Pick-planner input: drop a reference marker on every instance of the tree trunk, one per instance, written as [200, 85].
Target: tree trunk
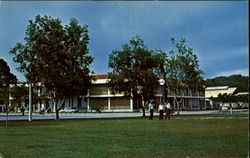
[143, 109]
[178, 107]
[57, 110]
[135, 105]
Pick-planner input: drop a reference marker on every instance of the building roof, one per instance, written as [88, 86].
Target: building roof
[103, 76]
[242, 93]
[215, 91]
[217, 88]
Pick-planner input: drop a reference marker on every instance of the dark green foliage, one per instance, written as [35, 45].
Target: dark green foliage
[180, 69]
[239, 81]
[20, 95]
[229, 98]
[183, 66]
[6, 78]
[134, 70]
[56, 56]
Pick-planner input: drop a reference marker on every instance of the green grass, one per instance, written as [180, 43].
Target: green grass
[184, 136]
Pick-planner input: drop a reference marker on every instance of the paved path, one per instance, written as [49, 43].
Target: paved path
[36, 116]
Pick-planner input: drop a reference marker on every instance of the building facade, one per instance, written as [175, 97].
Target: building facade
[99, 97]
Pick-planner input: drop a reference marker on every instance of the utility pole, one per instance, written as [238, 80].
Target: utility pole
[30, 102]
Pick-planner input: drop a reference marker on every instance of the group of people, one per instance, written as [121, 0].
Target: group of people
[162, 108]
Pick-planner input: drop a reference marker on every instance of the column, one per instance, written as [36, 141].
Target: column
[199, 100]
[131, 103]
[108, 99]
[88, 108]
[30, 102]
[38, 103]
[205, 103]
[108, 103]
[174, 103]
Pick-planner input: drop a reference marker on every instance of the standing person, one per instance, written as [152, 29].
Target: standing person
[231, 108]
[161, 111]
[22, 110]
[168, 111]
[151, 109]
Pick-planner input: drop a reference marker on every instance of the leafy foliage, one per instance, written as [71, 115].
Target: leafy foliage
[180, 69]
[6, 78]
[56, 56]
[134, 70]
[227, 98]
[183, 68]
[239, 81]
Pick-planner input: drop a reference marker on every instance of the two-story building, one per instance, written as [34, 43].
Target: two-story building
[99, 97]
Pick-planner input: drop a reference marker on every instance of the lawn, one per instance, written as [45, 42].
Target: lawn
[184, 136]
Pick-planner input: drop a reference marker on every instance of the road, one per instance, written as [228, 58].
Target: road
[36, 116]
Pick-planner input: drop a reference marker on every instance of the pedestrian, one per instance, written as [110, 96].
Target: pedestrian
[151, 109]
[168, 109]
[22, 110]
[161, 111]
[231, 108]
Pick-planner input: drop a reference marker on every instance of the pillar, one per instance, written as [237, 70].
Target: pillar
[88, 107]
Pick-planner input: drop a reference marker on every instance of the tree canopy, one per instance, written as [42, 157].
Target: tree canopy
[184, 70]
[55, 55]
[6, 78]
[134, 71]
[180, 69]
[237, 80]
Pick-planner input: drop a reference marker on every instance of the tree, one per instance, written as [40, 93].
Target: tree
[6, 78]
[134, 72]
[57, 56]
[20, 94]
[180, 69]
[239, 81]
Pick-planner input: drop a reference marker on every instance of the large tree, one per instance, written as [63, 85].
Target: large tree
[180, 69]
[134, 72]
[57, 56]
[6, 78]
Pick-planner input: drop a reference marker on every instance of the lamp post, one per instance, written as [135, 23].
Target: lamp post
[162, 83]
[139, 91]
[30, 102]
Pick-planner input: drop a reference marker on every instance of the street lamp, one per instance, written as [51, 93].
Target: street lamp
[162, 83]
[30, 102]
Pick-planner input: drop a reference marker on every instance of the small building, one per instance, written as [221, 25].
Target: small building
[213, 92]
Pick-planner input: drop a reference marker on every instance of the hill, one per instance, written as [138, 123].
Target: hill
[232, 81]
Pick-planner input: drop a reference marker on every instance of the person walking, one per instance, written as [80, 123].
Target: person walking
[168, 108]
[161, 111]
[151, 109]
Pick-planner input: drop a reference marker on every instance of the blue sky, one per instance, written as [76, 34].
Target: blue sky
[217, 31]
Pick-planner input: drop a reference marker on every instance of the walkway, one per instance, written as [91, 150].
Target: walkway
[36, 116]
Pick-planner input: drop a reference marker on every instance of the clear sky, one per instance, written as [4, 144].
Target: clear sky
[217, 31]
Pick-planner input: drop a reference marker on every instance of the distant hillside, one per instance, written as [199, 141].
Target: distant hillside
[232, 81]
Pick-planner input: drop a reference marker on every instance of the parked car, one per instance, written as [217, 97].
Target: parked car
[68, 110]
[224, 108]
